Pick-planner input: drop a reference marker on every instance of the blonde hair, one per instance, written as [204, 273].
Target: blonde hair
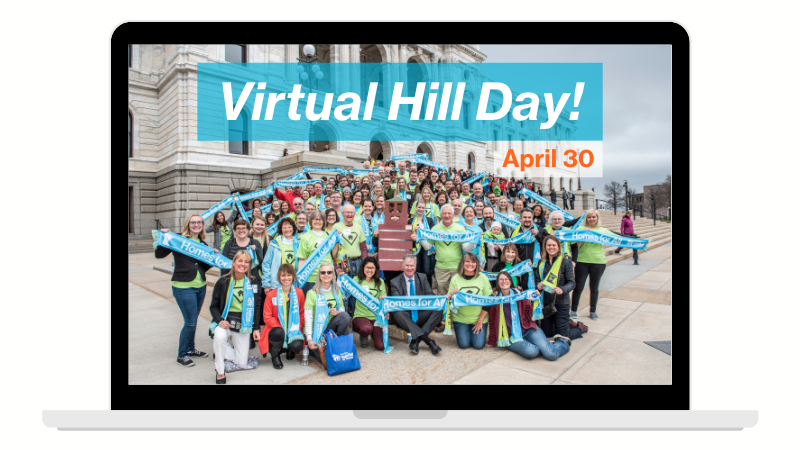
[334, 285]
[238, 255]
[508, 207]
[186, 233]
[592, 211]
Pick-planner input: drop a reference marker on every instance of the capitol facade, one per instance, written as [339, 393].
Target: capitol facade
[172, 174]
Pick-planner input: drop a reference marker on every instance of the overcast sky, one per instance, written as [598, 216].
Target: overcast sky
[637, 105]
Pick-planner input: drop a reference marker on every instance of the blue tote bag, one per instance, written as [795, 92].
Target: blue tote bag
[340, 353]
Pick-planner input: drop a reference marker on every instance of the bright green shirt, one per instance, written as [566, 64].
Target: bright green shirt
[363, 311]
[448, 254]
[428, 208]
[198, 280]
[311, 304]
[593, 253]
[236, 302]
[406, 175]
[496, 190]
[224, 236]
[351, 238]
[308, 244]
[477, 286]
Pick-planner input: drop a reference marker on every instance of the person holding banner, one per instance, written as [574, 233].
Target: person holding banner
[282, 250]
[364, 319]
[425, 262]
[188, 287]
[258, 232]
[424, 202]
[222, 229]
[448, 254]
[419, 323]
[527, 251]
[590, 263]
[534, 342]
[538, 215]
[487, 213]
[283, 320]
[324, 308]
[508, 259]
[289, 196]
[235, 314]
[470, 322]
[554, 279]
[468, 222]
[309, 243]
[271, 218]
[556, 222]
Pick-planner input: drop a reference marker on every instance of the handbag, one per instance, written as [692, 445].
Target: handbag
[235, 319]
[340, 353]
[549, 309]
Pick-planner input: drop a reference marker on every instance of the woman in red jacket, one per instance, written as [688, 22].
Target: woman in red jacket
[283, 335]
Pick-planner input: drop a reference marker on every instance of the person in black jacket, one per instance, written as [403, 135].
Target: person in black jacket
[425, 262]
[558, 323]
[426, 320]
[188, 288]
[234, 285]
[241, 241]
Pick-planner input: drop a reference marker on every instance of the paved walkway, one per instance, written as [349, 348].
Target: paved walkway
[635, 306]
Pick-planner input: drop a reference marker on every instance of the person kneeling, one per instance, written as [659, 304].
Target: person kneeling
[418, 323]
[338, 320]
[240, 301]
[534, 342]
[282, 318]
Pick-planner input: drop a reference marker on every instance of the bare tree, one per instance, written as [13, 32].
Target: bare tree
[665, 190]
[615, 192]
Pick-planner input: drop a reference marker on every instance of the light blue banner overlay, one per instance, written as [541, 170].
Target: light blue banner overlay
[325, 169]
[475, 178]
[218, 207]
[528, 193]
[188, 247]
[580, 221]
[316, 258]
[601, 238]
[515, 271]
[427, 162]
[424, 302]
[398, 101]
[241, 209]
[464, 299]
[412, 156]
[362, 172]
[428, 235]
[262, 193]
[524, 238]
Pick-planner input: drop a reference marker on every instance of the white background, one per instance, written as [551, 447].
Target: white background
[56, 106]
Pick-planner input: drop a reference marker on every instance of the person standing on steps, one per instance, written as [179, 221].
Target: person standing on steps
[626, 229]
[590, 263]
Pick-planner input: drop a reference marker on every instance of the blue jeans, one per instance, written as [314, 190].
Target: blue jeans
[465, 337]
[189, 300]
[534, 343]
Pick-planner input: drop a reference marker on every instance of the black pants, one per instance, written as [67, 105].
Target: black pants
[558, 323]
[635, 252]
[426, 321]
[425, 265]
[592, 271]
[275, 338]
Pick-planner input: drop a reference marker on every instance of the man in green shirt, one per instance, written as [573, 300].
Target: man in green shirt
[353, 240]
[448, 254]
[402, 172]
[465, 193]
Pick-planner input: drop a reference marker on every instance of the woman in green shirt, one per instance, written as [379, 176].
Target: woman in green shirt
[222, 229]
[364, 319]
[188, 288]
[309, 243]
[591, 263]
[470, 322]
[338, 319]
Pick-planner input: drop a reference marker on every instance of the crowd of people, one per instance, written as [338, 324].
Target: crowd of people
[265, 265]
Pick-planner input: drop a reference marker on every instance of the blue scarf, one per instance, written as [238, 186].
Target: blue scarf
[362, 172]
[373, 304]
[421, 302]
[293, 330]
[248, 305]
[218, 207]
[316, 258]
[595, 237]
[368, 233]
[273, 229]
[307, 169]
[321, 312]
[515, 271]
[524, 238]
[505, 220]
[190, 248]
[377, 220]
[242, 212]
[579, 223]
[413, 156]
[464, 299]
[431, 163]
[430, 235]
[527, 192]
[471, 180]
[256, 194]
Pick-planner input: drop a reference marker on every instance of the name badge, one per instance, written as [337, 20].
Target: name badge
[346, 232]
[275, 300]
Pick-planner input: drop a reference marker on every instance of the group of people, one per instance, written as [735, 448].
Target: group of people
[259, 302]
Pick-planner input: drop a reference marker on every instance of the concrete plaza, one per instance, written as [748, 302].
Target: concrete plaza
[635, 306]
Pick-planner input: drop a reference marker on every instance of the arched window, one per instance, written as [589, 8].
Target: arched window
[130, 135]
[570, 184]
[552, 186]
[471, 161]
[237, 135]
[562, 182]
[235, 53]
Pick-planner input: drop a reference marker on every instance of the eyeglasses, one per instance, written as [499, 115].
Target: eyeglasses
[195, 223]
[326, 272]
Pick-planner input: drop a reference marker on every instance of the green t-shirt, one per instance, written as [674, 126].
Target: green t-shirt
[477, 286]
[308, 244]
[311, 304]
[363, 311]
[350, 239]
[287, 255]
[593, 253]
[406, 175]
[430, 211]
[238, 297]
[465, 198]
[496, 190]
[198, 280]
[448, 254]
[224, 236]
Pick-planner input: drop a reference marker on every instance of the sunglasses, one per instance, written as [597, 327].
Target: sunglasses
[326, 272]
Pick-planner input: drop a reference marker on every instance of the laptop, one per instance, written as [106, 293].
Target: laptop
[428, 392]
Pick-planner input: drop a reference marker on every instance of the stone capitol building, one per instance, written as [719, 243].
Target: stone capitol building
[171, 174]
